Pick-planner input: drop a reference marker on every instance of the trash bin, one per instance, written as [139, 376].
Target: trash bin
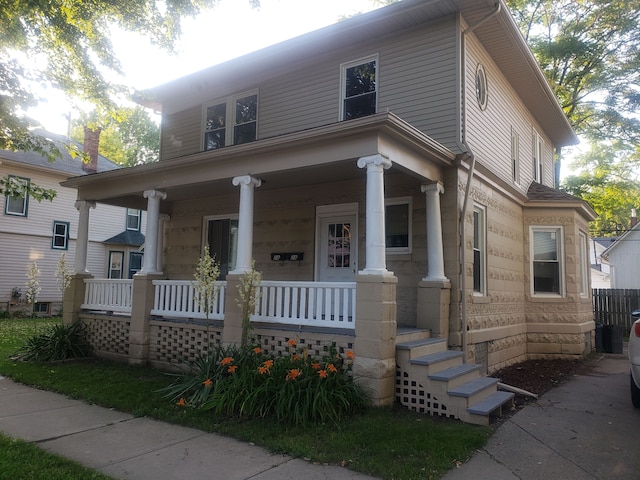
[599, 346]
[612, 336]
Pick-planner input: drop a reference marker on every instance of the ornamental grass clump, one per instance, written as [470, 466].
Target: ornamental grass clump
[58, 342]
[294, 388]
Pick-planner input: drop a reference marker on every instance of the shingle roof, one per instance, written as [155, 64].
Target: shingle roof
[128, 237]
[538, 191]
[65, 164]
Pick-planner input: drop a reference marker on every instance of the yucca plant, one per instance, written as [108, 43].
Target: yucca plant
[58, 342]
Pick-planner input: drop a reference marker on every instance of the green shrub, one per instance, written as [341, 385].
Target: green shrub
[58, 342]
[294, 388]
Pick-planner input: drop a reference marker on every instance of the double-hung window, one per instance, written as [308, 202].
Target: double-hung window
[546, 265]
[231, 121]
[222, 238]
[133, 219]
[359, 88]
[479, 250]
[17, 206]
[397, 224]
[60, 239]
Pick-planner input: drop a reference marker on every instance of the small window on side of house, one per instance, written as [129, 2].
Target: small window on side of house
[397, 221]
[583, 259]
[133, 219]
[547, 260]
[482, 91]
[538, 153]
[17, 206]
[479, 251]
[515, 156]
[359, 88]
[60, 237]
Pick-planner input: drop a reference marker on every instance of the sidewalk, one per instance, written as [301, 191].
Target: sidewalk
[124, 447]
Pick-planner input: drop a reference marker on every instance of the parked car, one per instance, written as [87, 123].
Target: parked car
[634, 358]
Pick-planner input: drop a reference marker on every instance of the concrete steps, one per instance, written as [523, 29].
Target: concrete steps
[434, 380]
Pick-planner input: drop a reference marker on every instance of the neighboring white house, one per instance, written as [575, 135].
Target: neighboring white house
[600, 268]
[623, 257]
[32, 231]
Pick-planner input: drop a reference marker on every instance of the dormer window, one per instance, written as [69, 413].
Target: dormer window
[230, 121]
[359, 87]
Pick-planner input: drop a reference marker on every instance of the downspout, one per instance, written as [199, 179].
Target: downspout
[467, 154]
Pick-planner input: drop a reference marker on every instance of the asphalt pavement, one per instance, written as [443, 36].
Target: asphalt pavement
[584, 429]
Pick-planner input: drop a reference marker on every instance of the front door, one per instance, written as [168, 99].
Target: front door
[337, 259]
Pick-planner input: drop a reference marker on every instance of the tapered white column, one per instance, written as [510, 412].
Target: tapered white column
[376, 262]
[435, 251]
[245, 223]
[164, 218]
[82, 241]
[151, 236]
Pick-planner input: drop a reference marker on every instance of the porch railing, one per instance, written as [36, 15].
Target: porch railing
[178, 298]
[108, 294]
[322, 304]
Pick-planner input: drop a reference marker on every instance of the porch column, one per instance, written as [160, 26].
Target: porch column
[82, 241]
[245, 223]
[164, 218]
[376, 263]
[435, 251]
[151, 237]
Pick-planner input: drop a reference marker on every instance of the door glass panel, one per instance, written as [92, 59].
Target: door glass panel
[339, 245]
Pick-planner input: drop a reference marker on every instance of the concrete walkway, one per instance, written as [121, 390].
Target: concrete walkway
[585, 429]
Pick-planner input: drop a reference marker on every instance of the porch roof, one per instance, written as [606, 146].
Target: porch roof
[313, 156]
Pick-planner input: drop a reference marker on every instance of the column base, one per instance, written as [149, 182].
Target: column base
[434, 298]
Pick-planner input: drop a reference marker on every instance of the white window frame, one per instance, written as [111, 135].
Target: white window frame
[515, 156]
[584, 264]
[408, 201]
[343, 80]
[133, 213]
[205, 236]
[479, 246]
[559, 231]
[538, 157]
[25, 200]
[116, 264]
[230, 116]
[482, 87]
[54, 235]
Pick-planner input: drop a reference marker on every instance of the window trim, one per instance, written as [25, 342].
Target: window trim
[25, 199]
[402, 201]
[560, 243]
[343, 81]
[139, 216]
[230, 117]
[54, 235]
[481, 212]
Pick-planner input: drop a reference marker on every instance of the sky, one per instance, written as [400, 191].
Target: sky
[213, 37]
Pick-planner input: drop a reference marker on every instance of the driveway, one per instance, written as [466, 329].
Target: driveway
[585, 429]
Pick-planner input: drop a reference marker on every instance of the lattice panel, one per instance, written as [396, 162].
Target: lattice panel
[278, 345]
[414, 396]
[109, 334]
[180, 343]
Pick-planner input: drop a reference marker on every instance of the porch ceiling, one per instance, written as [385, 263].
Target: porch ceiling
[316, 156]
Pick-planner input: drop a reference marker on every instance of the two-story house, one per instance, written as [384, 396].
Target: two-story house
[391, 176]
[32, 231]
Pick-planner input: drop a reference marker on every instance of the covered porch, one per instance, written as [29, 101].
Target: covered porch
[337, 173]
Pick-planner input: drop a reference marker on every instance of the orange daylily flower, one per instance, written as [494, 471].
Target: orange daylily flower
[295, 356]
[232, 368]
[292, 342]
[350, 355]
[262, 370]
[257, 350]
[226, 361]
[322, 373]
[316, 365]
[207, 383]
[293, 374]
[332, 368]
[181, 403]
[268, 363]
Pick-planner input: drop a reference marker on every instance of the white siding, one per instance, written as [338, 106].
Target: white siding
[624, 259]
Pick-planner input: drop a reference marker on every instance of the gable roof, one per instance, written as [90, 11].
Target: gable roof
[489, 20]
[625, 237]
[63, 165]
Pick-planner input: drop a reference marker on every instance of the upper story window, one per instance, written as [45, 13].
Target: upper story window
[133, 219]
[538, 152]
[397, 224]
[515, 156]
[359, 88]
[17, 206]
[479, 250]
[60, 239]
[231, 121]
[547, 255]
[482, 92]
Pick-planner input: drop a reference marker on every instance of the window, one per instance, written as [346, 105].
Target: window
[115, 264]
[240, 112]
[479, 250]
[359, 88]
[222, 238]
[60, 240]
[17, 206]
[397, 223]
[538, 152]
[133, 219]
[584, 266]
[135, 263]
[547, 264]
[515, 156]
[482, 93]
[41, 307]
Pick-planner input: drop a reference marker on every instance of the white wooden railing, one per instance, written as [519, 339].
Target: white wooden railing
[321, 304]
[178, 298]
[107, 294]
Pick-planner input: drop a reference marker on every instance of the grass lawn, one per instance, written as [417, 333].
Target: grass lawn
[389, 443]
